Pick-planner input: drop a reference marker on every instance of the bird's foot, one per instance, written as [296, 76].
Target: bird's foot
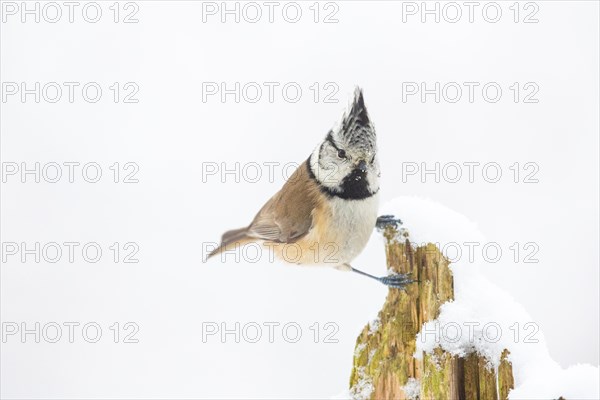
[397, 281]
[387, 220]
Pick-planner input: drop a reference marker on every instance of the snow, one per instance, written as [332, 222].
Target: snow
[363, 388]
[359, 349]
[484, 317]
[374, 326]
[412, 389]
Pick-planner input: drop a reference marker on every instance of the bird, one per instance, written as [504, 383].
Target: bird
[327, 210]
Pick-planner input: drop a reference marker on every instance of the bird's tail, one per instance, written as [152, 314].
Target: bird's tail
[230, 239]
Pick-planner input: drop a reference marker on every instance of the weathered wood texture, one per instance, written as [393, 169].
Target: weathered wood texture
[383, 359]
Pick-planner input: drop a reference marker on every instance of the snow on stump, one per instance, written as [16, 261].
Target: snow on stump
[384, 363]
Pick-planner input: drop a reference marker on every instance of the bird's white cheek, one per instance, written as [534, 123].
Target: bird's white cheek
[329, 176]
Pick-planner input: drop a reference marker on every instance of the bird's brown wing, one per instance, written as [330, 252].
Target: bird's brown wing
[288, 215]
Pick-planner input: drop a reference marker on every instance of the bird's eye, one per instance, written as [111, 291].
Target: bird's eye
[341, 153]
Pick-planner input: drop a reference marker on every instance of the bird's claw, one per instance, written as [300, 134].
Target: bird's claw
[387, 220]
[397, 281]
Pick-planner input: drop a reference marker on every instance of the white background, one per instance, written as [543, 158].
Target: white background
[171, 132]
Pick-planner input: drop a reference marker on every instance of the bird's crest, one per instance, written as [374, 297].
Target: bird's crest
[356, 129]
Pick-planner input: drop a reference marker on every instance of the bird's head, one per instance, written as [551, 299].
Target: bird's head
[345, 164]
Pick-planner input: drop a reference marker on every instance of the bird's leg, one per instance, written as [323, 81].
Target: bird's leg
[396, 281]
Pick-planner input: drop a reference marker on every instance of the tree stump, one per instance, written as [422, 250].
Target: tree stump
[384, 366]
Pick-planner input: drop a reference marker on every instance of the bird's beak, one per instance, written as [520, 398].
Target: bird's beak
[362, 166]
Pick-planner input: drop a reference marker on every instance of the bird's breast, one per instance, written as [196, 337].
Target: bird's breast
[341, 229]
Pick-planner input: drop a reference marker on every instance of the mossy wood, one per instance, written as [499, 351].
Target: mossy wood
[383, 358]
